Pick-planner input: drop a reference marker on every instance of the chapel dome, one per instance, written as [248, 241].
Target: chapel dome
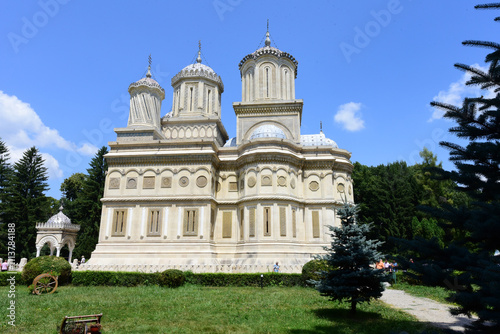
[148, 82]
[268, 131]
[198, 70]
[317, 140]
[59, 220]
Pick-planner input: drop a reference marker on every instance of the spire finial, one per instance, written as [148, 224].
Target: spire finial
[320, 126]
[149, 66]
[198, 60]
[268, 40]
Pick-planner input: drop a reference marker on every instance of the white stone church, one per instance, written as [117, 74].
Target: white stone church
[181, 194]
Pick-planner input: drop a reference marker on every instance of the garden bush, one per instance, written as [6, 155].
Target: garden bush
[58, 266]
[172, 278]
[114, 278]
[255, 280]
[7, 275]
[312, 269]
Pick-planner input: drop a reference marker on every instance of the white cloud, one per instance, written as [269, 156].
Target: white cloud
[349, 117]
[456, 92]
[21, 128]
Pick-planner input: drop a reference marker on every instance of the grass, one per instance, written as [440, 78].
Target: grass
[437, 293]
[196, 309]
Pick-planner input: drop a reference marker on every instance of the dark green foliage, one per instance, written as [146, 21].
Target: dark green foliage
[6, 275]
[114, 278]
[387, 195]
[466, 265]
[172, 278]
[47, 264]
[350, 259]
[26, 203]
[311, 271]
[84, 201]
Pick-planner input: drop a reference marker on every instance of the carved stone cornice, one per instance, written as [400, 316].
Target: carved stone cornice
[267, 107]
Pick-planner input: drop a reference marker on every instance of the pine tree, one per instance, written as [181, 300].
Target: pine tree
[87, 205]
[5, 175]
[26, 202]
[350, 258]
[469, 260]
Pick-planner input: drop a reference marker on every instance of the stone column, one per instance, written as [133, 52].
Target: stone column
[38, 249]
[58, 251]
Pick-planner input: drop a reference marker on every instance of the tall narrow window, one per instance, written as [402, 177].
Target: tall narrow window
[209, 102]
[119, 223]
[283, 221]
[212, 224]
[294, 223]
[154, 222]
[190, 222]
[251, 222]
[191, 99]
[315, 224]
[242, 220]
[267, 222]
[267, 81]
[178, 100]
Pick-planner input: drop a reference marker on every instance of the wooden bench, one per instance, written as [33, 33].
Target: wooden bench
[81, 324]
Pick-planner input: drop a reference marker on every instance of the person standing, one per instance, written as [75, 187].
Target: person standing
[5, 265]
[276, 268]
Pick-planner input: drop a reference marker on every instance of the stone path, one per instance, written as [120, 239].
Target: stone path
[426, 310]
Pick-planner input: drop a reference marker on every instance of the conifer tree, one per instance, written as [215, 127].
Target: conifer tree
[350, 258]
[87, 205]
[467, 265]
[26, 203]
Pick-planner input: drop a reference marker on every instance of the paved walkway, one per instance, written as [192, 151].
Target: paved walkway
[426, 310]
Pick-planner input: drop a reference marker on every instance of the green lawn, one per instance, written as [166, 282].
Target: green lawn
[196, 309]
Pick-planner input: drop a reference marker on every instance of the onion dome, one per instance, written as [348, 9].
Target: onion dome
[268, 131]
[59, 221]
[198, 70]
[148, 83]
[317, 140]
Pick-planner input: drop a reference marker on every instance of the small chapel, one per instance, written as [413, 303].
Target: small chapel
[181, 193]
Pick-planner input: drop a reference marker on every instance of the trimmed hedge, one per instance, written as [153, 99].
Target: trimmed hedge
[8, 274]
[114, 278]
[119, 278]
[172, 278]
[46, 264]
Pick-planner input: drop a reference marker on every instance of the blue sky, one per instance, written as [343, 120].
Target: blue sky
[367, 69]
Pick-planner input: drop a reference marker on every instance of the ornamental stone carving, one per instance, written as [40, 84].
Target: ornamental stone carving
[314, 185]
[114, 183]
[292, 183]
[340, 187]
[184, 181]
[166, 182]
[201, 181]
[233, 186]
[148, 182]
[282, 181]
[350, 190]
[131, 183]
[217, 187]
[266, 180]
[251, 181]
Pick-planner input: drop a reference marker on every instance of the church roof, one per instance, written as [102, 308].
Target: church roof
[148, 82]
[59, 221]
[268, 131]
[317, 140]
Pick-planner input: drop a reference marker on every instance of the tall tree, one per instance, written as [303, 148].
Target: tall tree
[5, 175]
[26, 201]
[72, 190]
[471, 257]
[87, 205]
[350, 276]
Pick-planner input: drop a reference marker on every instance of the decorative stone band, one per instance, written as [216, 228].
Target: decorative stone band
[58, 226]
[195, 268]
[269, 50]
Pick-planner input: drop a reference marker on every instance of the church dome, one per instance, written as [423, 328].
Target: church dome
[148, 82]
[59, 221]
[268, 131]
[317, 140]
[198, 70]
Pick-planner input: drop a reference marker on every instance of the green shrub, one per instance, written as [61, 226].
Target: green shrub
[311, 271]
[7, 275]
[254, 279]
[58, 266]
[172, 278]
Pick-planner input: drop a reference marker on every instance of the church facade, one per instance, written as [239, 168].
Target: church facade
[181, 194]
